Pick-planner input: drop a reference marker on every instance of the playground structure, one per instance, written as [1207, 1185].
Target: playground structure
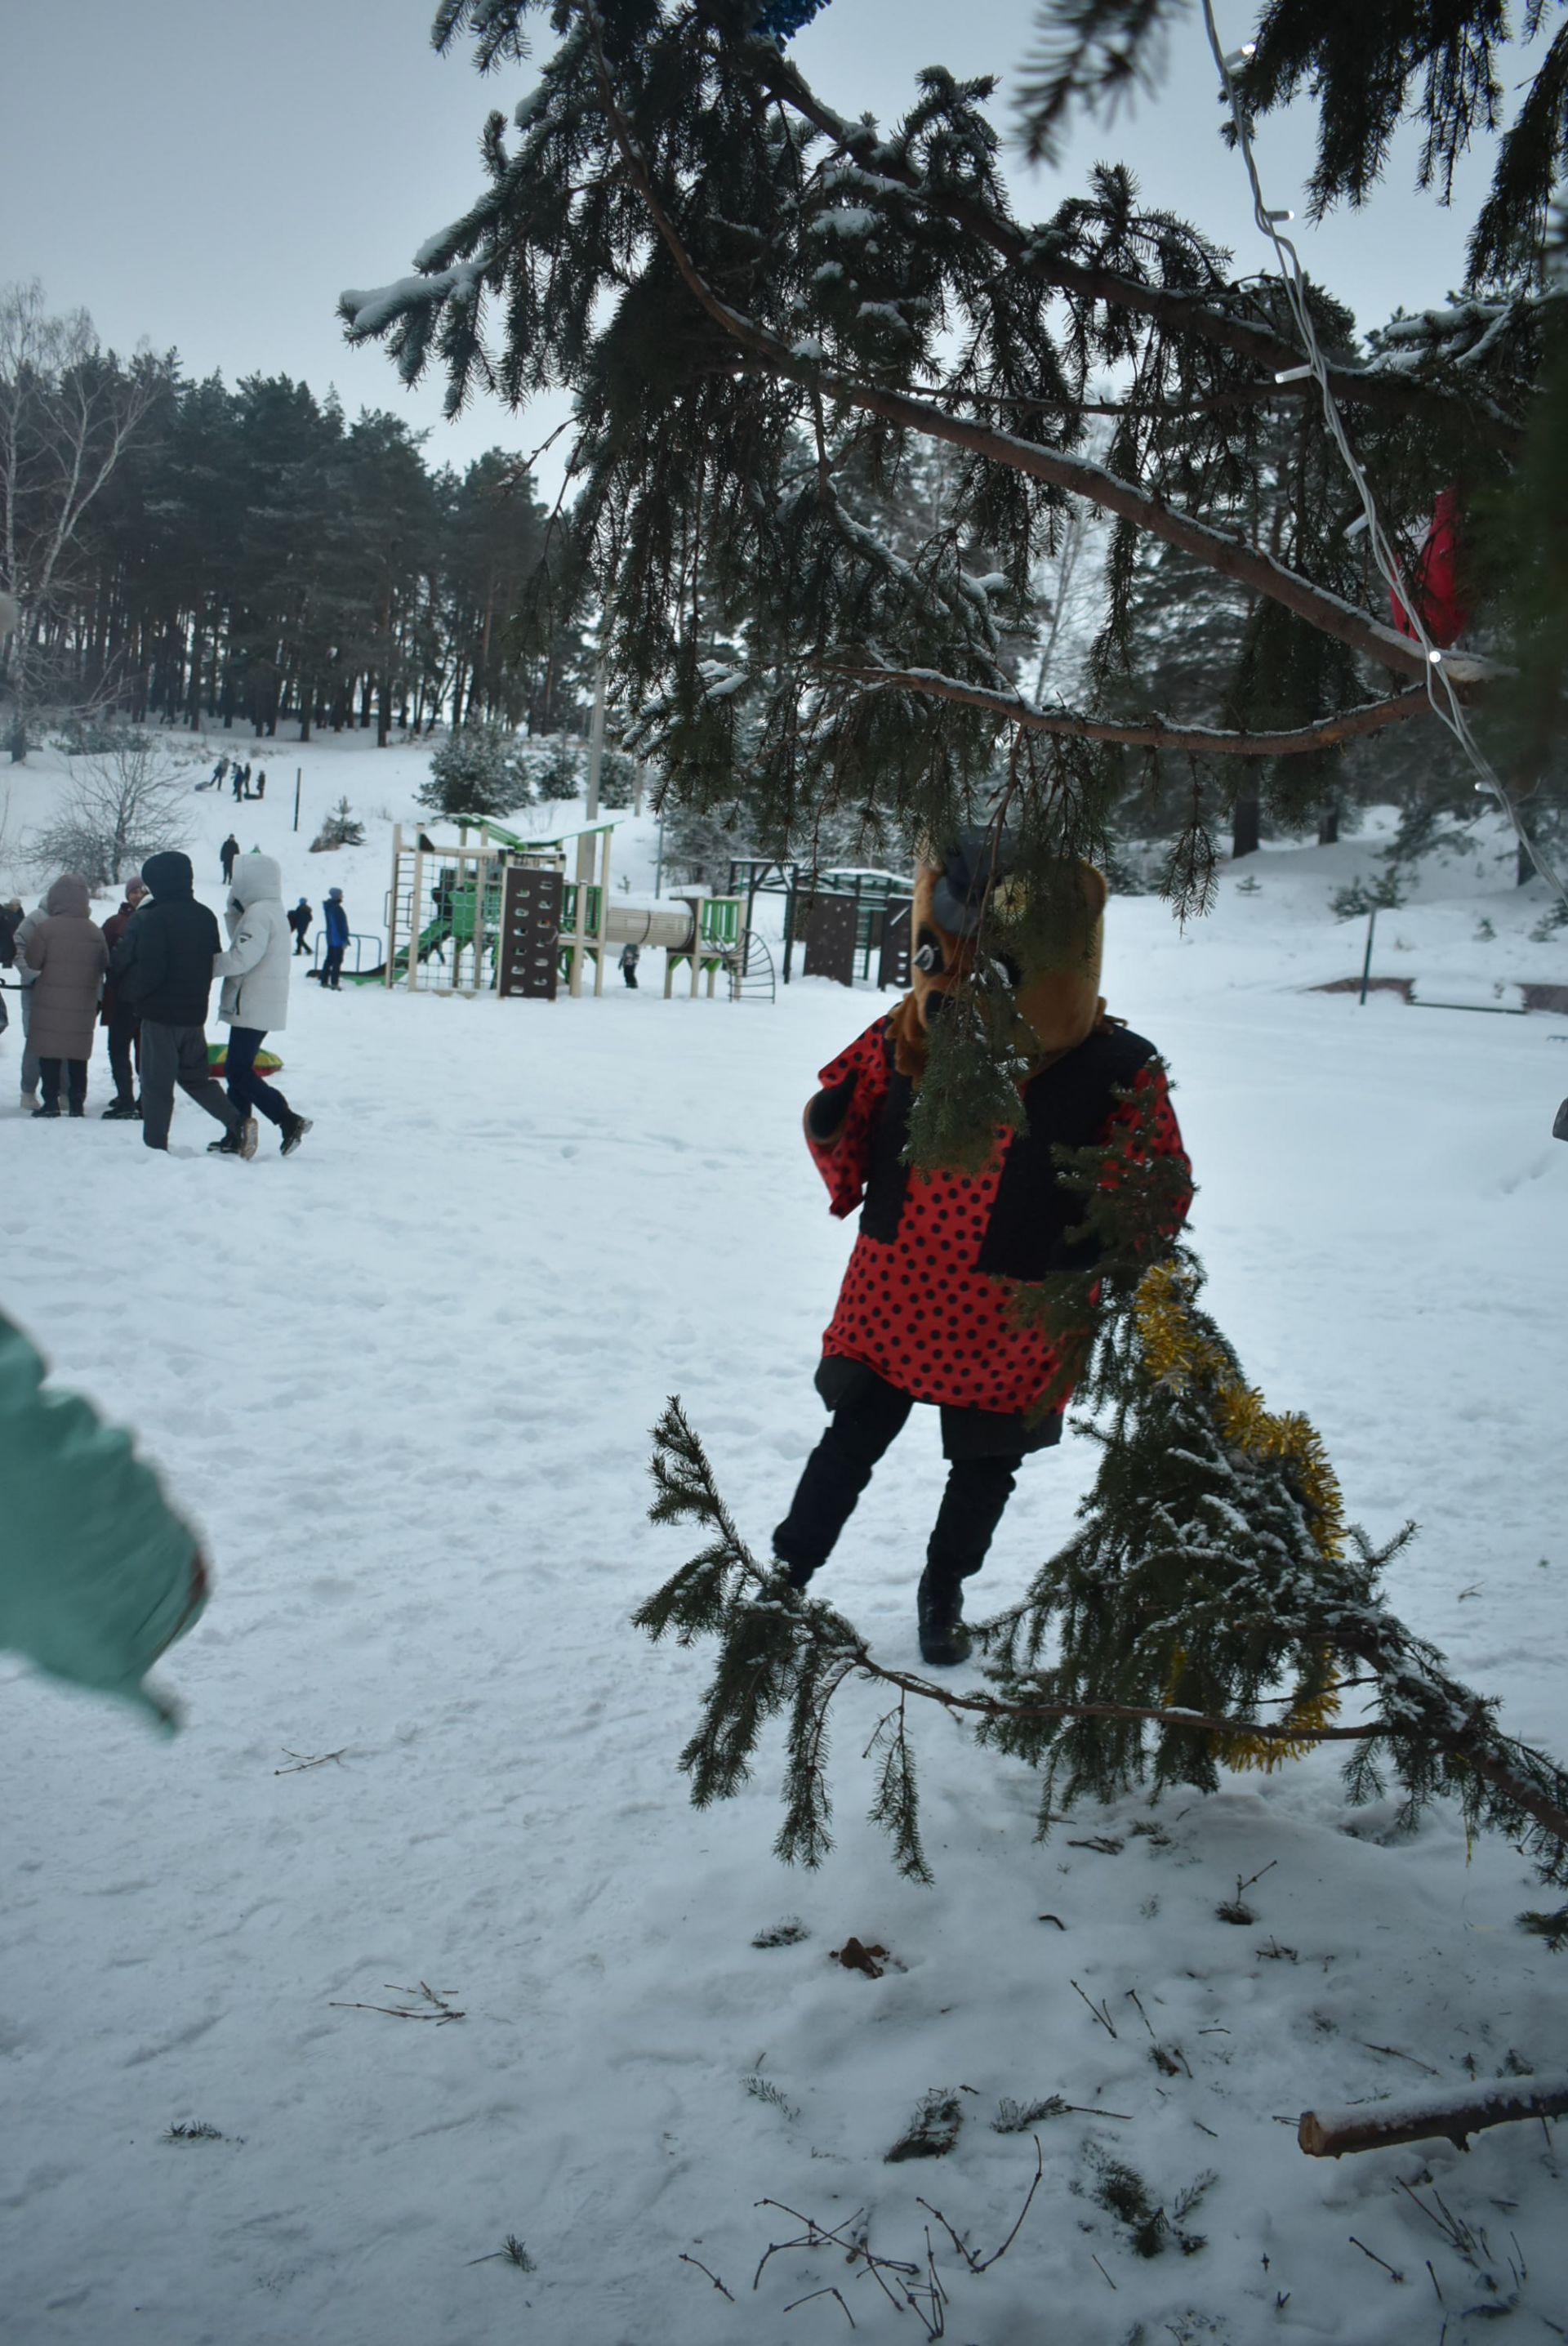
[495, 913]
[848, 918]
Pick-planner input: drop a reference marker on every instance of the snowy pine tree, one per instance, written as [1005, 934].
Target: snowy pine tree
[478, 770]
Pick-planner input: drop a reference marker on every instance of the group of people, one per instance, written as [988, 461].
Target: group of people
[239, 780]
[148, 974]
[924, 1314]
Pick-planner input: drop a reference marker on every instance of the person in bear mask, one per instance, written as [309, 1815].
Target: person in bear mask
[924, 1314]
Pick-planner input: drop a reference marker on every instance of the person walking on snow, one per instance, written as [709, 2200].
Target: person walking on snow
[215, 780]
[227, 854]
[68, 953]
[261, 781]
[255, 1000]
[299, 920]
[162, 969]
[26, 977]
[236, 782]
[337, 920]
[124, 1026]
[925, 1311]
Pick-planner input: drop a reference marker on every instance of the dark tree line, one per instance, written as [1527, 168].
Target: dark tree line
[250, 555]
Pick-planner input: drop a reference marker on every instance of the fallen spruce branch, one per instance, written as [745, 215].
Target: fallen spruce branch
[1265, 1593]
[1425, 2117]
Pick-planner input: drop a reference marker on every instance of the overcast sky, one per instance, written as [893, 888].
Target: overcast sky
[210, 175]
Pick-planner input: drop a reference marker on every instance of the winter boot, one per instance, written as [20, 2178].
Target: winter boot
[944, 1639]
[295, 1127]
[121, 1112]
[234, 1143]
[50, 1108]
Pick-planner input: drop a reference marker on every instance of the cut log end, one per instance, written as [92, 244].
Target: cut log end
[1428, 2117]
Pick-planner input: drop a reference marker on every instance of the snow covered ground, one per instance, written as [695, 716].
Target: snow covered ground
[404, 1383]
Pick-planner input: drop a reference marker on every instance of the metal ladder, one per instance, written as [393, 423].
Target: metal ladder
[751, 974]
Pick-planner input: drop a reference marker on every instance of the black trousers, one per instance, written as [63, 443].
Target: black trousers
[124, 1028]
[247, 1089]
[74, 1072]
[864, 1426]
[331, 967]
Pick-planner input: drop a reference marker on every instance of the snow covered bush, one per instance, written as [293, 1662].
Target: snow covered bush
[559, 774]
[481, 770]
[617, 779]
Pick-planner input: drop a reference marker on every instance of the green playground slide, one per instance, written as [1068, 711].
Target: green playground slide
[439, 930]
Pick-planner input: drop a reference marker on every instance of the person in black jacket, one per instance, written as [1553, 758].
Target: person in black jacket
[162, 969]
[226, 855]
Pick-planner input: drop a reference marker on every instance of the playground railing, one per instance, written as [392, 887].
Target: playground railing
[361, 944]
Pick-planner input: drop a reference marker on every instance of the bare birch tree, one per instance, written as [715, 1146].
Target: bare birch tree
[69, 410]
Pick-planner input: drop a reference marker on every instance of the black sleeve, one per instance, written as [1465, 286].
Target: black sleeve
[827, 1111]
[139, 962]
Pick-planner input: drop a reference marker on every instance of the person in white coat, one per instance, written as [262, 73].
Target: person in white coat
[255, 1001]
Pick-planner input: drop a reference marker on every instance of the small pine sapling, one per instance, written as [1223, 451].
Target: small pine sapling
[338, 829]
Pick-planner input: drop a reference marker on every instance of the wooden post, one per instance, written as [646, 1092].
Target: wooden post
[392, 903]
[580, 925]
[415, 906]
[604, 913]
[299, 775]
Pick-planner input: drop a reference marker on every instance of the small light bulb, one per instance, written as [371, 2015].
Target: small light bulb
[1274, 219]
[1361, 522]
[1293, 374]
[1240, 56]
[1434, 658]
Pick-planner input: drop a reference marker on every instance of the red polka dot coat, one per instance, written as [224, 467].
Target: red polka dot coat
[925, 1299]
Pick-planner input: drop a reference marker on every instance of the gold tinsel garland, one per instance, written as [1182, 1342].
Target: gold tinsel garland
[1176, 1353]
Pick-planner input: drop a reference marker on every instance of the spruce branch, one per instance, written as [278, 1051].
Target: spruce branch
[1212, 1565]
[1151, 733]
[1047, 259]
[1221, 550]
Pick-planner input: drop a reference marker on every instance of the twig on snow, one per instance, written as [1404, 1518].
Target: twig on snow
[717, 2284]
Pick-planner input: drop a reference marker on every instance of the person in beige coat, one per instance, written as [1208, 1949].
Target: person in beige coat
[68, 951]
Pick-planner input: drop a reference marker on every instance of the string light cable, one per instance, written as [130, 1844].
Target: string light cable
[1446, 705]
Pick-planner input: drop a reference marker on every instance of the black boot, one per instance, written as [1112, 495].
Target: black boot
[944, 1639]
